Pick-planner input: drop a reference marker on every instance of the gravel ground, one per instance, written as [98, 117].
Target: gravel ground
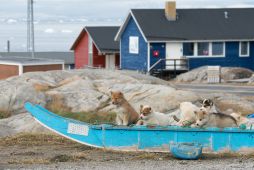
[229, 163]
[44, 151]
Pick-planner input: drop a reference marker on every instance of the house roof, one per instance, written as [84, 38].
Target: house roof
[102, 36]
[194, 24]
[28, 61]
[67, 57]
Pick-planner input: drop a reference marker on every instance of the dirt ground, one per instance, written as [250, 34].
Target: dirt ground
[44, 151]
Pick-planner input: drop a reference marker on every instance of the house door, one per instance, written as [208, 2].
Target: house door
[110, 62]
[174, 51]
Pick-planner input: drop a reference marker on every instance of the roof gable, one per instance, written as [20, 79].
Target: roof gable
[124, 25]
[102, 37]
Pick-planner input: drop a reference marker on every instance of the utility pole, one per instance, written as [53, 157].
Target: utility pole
[30, 27]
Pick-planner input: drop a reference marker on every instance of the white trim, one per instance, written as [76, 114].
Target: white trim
[122, 27]
[117, 37]
[133, 44]
[240, 49]
[38, 64]
[93, 42]
[120, 56]
[148, 56]
[229, 40]
[29, 64]
[20, 69]
[138, 26]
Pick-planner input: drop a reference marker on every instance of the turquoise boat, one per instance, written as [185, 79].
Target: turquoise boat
[143, 138]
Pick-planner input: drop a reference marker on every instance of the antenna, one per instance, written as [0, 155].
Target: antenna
[30, 27]
[226, 14]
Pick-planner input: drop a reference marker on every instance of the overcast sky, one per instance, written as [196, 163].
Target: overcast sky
[49, 9]
[58, 22]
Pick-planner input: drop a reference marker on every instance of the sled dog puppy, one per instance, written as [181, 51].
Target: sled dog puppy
[149, 117]
[220, 120]
[208, 106]
[127, 114]
[187, 115]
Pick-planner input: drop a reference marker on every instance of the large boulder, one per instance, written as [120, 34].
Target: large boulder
[89, 91]
[199, 75]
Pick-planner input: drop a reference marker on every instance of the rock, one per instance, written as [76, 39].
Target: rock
[251, 80]
[20, 124]
[199, 75]
[234, 73]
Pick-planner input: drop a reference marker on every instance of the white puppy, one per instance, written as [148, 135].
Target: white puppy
[187, 114]
[149, 117]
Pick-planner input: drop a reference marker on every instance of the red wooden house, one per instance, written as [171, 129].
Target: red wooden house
[95, 47]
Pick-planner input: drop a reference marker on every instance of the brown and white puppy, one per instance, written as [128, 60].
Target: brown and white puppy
[220, 120]
[149, 117]
[127, 114]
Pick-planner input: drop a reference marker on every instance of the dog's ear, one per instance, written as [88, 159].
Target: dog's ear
[210, 102]
[149, 108]
[200, 101]
[111, 92]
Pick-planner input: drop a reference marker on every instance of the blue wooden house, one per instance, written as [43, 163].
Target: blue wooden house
[184, 39]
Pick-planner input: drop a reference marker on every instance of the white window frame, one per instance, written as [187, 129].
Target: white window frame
[134, 40]
[210, 51]
[224, 49]
[248, 49]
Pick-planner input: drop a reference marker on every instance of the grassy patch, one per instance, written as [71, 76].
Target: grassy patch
[30, 161]
[4, 114]
[27, 139]
[57, 105]
[42, 87]
[146, 156]
[90, 117]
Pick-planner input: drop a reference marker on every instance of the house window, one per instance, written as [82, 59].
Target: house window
[203, 49]
[218, 48]
[244, 49]
[133, 45]
[188, 49]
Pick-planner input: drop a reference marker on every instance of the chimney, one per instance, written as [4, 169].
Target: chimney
[170, 10]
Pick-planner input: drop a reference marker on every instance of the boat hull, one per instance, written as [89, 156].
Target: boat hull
[142, 138]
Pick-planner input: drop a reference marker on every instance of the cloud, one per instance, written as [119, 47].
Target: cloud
[66, 31]
[49, 30]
